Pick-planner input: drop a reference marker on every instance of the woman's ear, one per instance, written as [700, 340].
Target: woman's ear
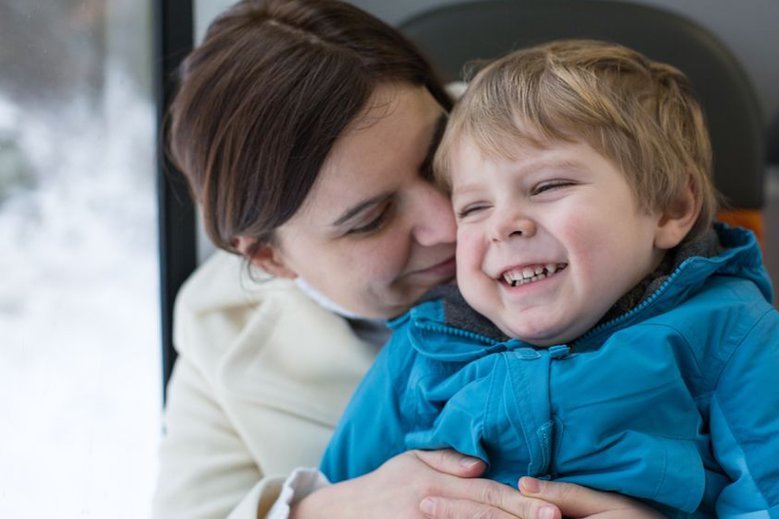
[677, 219]
[266, 257]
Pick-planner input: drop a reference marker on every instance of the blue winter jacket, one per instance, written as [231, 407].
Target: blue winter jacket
[675, 402]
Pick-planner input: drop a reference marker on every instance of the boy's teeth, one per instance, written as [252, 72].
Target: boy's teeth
[530, 274]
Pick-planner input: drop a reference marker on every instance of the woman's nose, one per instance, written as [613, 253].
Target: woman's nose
[434, 220]
[511, 224]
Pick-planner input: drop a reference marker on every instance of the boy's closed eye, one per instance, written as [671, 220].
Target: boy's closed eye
[470, 210]
[551, 185]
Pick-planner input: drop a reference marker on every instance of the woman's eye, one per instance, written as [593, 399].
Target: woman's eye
[373, 225]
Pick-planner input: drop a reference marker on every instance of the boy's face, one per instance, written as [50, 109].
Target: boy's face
[548, 242]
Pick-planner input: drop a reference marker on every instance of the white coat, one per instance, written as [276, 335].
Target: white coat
[263, 375]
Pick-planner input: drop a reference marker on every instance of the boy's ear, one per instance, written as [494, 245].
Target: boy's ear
[677, 220]
[266, 256]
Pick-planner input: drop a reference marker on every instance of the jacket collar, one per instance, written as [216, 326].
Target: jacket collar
[724, 250]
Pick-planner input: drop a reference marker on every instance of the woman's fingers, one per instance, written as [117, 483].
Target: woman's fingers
[472, 497]
[452, 462]
[484, 498]
[442, 508]
[577, 501]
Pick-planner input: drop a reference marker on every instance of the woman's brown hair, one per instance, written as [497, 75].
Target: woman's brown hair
[265, 96]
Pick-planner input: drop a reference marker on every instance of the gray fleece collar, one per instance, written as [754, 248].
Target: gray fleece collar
[460, 315]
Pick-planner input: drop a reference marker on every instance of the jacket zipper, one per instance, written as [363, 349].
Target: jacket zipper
[630, 313]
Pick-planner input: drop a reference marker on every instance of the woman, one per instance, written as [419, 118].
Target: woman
[306, 129]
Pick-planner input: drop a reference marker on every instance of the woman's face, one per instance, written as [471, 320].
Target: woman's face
[374, 233]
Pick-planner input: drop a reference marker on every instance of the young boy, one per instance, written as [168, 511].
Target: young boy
[622, 340]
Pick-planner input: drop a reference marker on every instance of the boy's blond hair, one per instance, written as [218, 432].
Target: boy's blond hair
[641, 115]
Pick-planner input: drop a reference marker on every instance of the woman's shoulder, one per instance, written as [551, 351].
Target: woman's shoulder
[224, 282]
[250, 335]
[216, 304]
[222, 300]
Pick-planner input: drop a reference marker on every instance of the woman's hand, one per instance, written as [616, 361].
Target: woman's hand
[422, 484]
[579, 502]
[552, 500]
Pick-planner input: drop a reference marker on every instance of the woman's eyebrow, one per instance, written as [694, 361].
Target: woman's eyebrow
[438, 133]
[360, 207]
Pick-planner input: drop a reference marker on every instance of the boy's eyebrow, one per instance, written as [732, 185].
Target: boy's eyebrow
[435, 140]
[465, 189]
[564, 163]
[550, 161]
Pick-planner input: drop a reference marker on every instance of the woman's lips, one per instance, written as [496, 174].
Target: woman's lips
[445, 269]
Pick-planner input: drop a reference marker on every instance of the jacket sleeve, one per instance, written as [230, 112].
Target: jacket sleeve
[206, 472]
[370, 431]
[745, 424]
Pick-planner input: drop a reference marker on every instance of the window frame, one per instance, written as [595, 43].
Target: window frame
[173, 39]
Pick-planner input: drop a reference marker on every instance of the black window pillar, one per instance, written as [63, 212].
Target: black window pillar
[173, 39]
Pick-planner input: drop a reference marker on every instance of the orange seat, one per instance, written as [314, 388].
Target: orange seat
[751, 219]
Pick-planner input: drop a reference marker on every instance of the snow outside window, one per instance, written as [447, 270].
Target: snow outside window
[79, 331]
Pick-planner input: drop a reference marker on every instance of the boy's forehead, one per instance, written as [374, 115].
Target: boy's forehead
[507, 140]
[522, 158]
[512, 148]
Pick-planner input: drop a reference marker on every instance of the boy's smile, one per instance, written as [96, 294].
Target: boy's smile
[547, 241]
[516, 276]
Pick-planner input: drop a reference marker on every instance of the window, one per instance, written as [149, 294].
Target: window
[79, 305]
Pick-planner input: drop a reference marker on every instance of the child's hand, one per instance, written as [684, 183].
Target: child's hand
[581, 502]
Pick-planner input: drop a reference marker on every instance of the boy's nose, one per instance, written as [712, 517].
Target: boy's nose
[512, 226]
